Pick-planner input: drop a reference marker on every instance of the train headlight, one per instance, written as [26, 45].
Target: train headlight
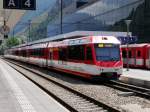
[117, 69]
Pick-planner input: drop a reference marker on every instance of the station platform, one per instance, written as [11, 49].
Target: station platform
[18, 94]
[138, 77]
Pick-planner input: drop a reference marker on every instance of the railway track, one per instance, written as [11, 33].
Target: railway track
[139, 91]
[68, 97]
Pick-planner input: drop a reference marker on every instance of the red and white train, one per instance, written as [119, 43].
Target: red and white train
[90, 57]
[138, 54]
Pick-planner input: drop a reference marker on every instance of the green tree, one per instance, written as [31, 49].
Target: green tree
[13, 41]
[10, 42]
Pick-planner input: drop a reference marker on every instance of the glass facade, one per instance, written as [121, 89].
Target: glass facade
[108, 15]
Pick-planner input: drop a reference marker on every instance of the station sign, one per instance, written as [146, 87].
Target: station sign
[19, 4]
[130, 39]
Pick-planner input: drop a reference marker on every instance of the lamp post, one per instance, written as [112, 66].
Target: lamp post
[28, 40]
[128, 22]
[61, 16]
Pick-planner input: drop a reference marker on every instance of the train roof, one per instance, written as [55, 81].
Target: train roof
[86, 40]
[78, 34]
[136, 45]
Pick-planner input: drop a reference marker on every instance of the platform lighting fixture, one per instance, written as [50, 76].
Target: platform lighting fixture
[61, 16]
[128, 22]
[29, 34]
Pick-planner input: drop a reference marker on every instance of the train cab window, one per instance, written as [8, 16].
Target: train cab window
[130, 54]
[89, 53]
[139, 54]
[104, 52]
[124, 54]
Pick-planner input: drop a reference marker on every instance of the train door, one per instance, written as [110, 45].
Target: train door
[62, 56]
[30, 53]
[50, 57]
[124, 55]
[129, 60]
[149, 57]
[139, 58]
[89, 55]
[89, 60]
[134, 56]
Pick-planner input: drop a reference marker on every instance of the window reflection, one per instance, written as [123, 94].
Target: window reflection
[109, 15]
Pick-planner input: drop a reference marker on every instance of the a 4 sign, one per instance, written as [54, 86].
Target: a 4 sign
[19, 4]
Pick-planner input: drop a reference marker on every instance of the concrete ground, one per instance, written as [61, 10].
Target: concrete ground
[136, 76]
[18, 94]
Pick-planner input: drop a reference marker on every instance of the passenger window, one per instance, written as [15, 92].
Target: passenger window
[76, 52]
[50, 55]
[63, 54]
[89, 53]
[124, 54]
[130, 54]
[139, 53]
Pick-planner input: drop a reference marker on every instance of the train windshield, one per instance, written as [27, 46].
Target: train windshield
[107, 52]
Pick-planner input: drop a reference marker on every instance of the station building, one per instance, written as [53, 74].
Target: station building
[104, 15]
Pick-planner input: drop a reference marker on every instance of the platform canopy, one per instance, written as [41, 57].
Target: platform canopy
[77, 34]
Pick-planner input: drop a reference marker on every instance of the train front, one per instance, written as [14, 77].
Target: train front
[108, 57]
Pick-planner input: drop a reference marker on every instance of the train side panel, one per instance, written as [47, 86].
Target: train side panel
[38, 54]
[81, 62]
[138, 55]
[148, 57]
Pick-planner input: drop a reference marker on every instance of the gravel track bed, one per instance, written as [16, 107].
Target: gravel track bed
[102, 93]
[108, 95]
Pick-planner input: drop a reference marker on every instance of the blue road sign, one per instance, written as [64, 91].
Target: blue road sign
[19, 4]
